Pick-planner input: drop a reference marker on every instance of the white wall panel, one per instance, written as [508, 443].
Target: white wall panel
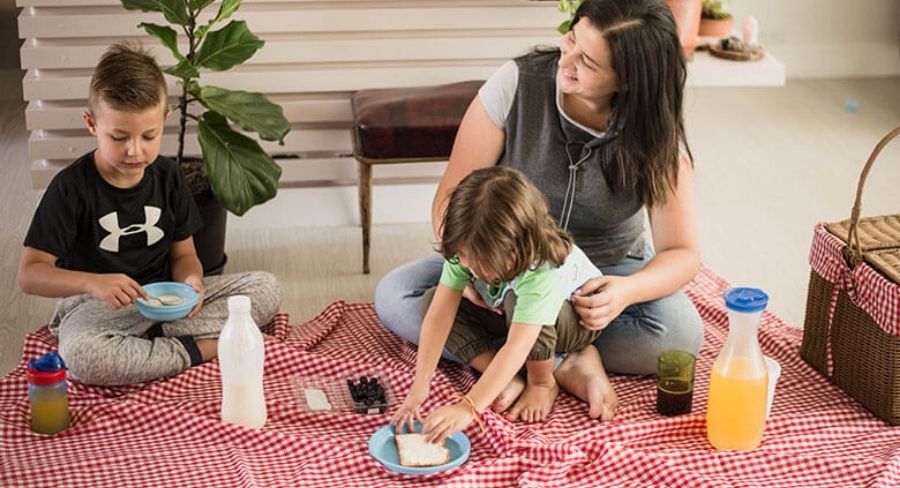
[316, 54]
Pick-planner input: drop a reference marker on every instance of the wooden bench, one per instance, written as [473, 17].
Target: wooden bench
[403, 125]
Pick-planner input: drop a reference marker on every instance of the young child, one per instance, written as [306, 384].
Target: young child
[498, 233]
[119, 217]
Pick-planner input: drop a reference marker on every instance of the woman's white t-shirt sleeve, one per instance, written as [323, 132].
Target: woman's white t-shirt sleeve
[498, 91]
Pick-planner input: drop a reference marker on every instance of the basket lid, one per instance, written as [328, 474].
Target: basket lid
[879, 238]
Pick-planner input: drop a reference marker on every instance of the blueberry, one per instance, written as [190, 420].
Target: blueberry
[363, 380]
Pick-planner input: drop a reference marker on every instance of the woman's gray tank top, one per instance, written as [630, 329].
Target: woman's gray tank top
[608, 225]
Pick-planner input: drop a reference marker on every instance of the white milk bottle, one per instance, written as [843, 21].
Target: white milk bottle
[241, 359]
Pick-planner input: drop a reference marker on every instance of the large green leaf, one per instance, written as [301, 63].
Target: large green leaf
[240, 173]
[183, 70]
[175, 11]
[252, 111]
[227, 8]
[166, 35]
[200, 4]
[227, 47]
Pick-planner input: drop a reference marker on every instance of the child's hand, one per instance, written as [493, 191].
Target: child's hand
[408, 412]
[472, 295]
[196, 283]
[117, 290]
[447, 420]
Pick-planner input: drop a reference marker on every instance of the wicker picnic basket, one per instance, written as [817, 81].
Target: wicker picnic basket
[852, 328]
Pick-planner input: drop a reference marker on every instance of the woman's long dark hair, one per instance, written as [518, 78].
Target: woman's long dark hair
[650, 67]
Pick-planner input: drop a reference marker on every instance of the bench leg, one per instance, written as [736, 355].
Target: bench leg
[365, 209]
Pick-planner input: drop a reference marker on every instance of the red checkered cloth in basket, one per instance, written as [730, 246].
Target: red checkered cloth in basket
[871, 291]
[168, 433]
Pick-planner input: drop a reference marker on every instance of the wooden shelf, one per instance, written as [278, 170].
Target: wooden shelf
[707, 70]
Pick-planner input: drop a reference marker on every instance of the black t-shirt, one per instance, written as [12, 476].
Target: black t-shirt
[90, 225]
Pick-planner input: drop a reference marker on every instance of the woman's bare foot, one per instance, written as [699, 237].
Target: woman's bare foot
[535, 402]
[509, 394]
[582, 375]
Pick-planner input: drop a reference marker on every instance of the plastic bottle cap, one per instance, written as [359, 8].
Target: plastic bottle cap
[239, 303]
[746, 299]
[47, 369]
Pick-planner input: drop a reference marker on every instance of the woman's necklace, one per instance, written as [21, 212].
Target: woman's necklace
[569, 198]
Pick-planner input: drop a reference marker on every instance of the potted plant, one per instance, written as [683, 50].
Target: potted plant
[568, 7]
[687, 20]
[715, 21]
[239, 173]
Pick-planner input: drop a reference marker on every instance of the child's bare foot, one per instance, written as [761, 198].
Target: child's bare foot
[509, 394]
[535, 402]
[269, 338]
[582, 375]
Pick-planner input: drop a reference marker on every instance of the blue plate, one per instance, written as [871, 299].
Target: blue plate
[383, 448]
[168, 313]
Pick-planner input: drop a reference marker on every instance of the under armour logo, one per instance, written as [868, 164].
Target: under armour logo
[110, 222]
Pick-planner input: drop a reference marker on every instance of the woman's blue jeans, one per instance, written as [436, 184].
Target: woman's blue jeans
[630, 344]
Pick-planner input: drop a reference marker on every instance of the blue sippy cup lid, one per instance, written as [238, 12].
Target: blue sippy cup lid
[747, 300]
[48, 362]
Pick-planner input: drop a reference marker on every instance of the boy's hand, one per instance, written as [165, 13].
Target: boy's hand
[409, 412]
[196, 283]
[447, 420]
[117, 290]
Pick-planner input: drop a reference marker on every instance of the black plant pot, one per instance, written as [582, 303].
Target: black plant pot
[210, 240]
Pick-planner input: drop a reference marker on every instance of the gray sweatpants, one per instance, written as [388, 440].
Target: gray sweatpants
[106, 346]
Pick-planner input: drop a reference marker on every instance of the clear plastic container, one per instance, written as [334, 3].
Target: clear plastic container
[48, 393]
[738, 386]
[241, 360]
[335, 394]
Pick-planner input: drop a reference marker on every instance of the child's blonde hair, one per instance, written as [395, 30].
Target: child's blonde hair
[502, 221]
[127, 78]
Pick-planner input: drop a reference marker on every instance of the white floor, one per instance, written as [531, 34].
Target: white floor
[770, 163]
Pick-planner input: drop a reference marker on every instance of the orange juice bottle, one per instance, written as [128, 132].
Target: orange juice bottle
[736, 408]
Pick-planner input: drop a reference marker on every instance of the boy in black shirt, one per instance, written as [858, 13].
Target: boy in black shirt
[120, 217]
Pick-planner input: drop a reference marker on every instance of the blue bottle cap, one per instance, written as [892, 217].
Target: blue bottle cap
[49, 362]
[747, 300]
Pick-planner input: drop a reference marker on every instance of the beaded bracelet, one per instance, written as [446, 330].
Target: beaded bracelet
[475, 413]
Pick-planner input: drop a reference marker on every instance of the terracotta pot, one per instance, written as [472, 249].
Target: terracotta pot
[687, 19]
[716, 27]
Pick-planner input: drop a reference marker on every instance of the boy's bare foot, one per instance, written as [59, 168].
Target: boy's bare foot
[269, 338]
[509, 394]
[582, 375]
[534, 403]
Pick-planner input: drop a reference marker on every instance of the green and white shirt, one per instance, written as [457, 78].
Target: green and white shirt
[540, 292]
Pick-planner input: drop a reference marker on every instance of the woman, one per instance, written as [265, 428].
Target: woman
[598, 126]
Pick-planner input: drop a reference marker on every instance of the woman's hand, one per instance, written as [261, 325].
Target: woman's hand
[409, 413]
[447, 420]
[600, 300]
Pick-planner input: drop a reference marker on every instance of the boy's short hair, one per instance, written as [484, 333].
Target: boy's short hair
[127, 78]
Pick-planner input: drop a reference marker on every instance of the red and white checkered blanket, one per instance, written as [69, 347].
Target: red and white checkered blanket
[168, 433]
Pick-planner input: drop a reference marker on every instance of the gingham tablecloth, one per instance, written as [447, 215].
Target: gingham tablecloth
[168, 433]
